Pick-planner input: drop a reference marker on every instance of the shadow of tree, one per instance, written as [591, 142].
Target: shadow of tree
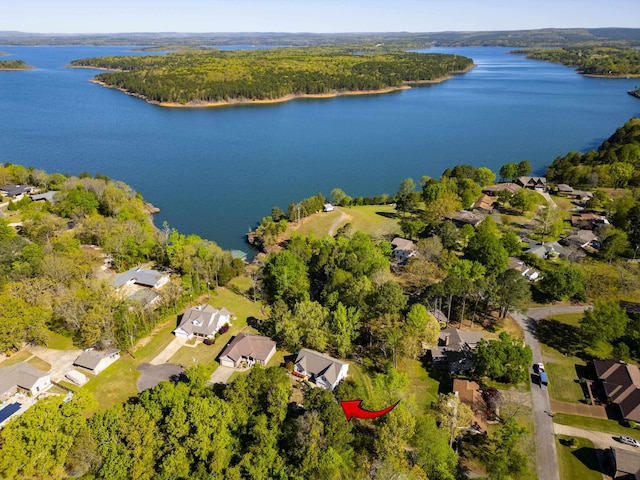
[562, 337]
[387, 214]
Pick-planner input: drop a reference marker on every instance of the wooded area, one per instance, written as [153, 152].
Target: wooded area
[212, 76]
[599, 61]
[14, 65]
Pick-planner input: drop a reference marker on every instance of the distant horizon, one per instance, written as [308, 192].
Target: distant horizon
[311, 16]
[273, 32]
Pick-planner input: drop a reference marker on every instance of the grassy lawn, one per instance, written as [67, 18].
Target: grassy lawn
[597, 424]
[578, 462]
[422, 389]
[560, 342]
[21, 356]
[375, 220]
[39, 363]
[58, 342]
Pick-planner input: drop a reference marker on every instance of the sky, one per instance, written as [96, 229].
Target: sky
[323, 16]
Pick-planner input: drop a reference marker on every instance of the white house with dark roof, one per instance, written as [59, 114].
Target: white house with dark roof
[140, 276]
[320, 369]
[202, 321]
[248, 349]
[24, 376]
[527, 272]
[96, 360]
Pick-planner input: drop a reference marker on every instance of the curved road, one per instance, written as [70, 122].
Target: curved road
[545, 441]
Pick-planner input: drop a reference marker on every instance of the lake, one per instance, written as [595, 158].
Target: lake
[215, 172]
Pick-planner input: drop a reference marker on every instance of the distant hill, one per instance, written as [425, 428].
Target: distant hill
[516, 38]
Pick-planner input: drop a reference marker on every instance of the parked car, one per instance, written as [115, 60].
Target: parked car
[543, 379]
[538, 367]
[628, 441]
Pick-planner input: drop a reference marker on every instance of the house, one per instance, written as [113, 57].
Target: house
[46, 196]
[202, 321]
[403, 249]
[327, 207]
[320, 369]
[16, 191]
[534, 183]
[23, 376]
[588, 221]
[581, 195]
[140, 276]
[469, 393]
[439, 315]
[493, 190]
[564, 189]
[584, 239]
[248, 349]
[96, 360]
[455, 349]
[527, 272]
[626, 464]
[239, 254]
[484, 204]
[463, 217]
[549, 250]
[621, 384]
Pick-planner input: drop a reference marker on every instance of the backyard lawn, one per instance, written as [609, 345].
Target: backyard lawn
[560, 342]
[422, 389]
[578, 462]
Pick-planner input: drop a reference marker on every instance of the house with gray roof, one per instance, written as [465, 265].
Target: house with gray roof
[96, 360]
[24, 376]
[140, 276]
[247, 349]
[626, 463]
[15, 191]
[46, 196]
[527, 272]
[455, 349]
[202, 321]
[320, 369]
[549, 250]
[145, 297]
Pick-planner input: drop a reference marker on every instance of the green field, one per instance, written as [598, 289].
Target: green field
[578, 462]
[376, 220]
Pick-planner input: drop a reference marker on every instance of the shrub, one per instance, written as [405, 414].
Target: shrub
[209, 341]
[632, 424]
[289, 366]
[224, 329]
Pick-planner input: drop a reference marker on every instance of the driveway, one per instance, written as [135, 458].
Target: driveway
[169, 351]
[545, 443]
[152, 375]
[61, 361]
[221, 374]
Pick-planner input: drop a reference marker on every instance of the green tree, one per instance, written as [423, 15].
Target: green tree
[563, 282]
[452, 415]
[505, 359]
[336, 196]
[485, 247]
[485, 176]
[524, 168]
[614, 244]
[603, 323]
[512, 291]
[509, 171]
[432, 451]
[285, 277]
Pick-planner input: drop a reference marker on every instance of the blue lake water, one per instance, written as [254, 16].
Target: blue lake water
[216, 172]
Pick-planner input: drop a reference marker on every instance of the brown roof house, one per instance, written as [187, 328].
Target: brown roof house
[96, 360]
[495, 189]
[621, 384]
[322, 370]
[247, 349]
[535, 183]
[24, 376]
[455, 349]
[484, 204]
[626, 464]
[202, 321]
[526, 271]
[469, 394]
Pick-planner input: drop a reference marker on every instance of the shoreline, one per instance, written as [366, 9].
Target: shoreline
[286, 98]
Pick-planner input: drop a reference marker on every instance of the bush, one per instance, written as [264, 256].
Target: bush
[289, 366]
[224, 329]
[209, 341]
[632, 424]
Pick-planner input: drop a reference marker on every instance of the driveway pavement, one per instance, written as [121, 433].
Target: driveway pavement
[545, 441]
[152, 375]
[169, 351]
[221, 374]
[61, 361]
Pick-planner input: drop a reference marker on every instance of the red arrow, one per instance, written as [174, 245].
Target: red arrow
[352, 409]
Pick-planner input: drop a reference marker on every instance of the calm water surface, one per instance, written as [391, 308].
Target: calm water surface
[216, 172]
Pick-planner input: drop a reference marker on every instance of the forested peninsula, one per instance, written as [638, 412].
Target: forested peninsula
[195, 78]
[14, 65]
[595, 61]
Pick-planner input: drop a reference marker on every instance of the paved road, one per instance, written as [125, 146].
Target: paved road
[545, 440]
